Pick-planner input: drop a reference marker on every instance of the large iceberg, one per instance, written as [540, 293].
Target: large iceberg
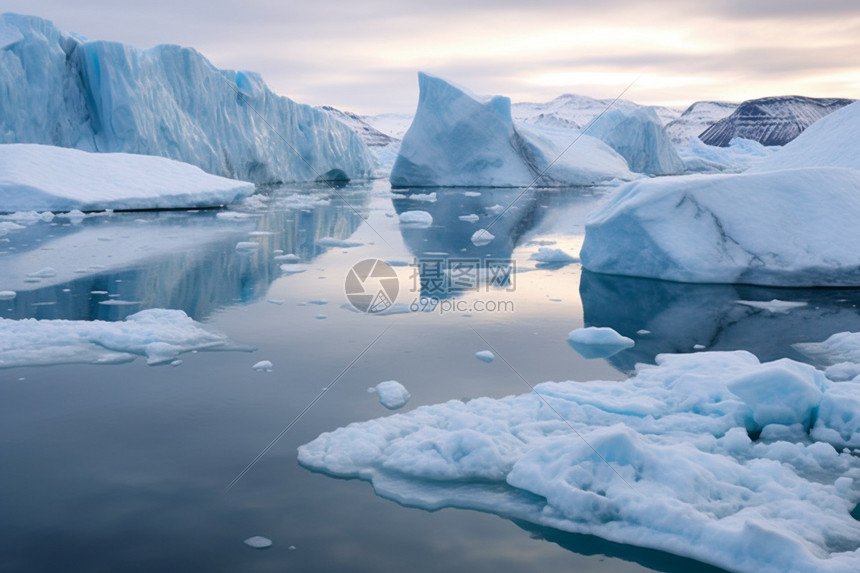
[713, 456]
[639, 136]
[59, 89]
[790, 220]
[461, 140]
[46, 178]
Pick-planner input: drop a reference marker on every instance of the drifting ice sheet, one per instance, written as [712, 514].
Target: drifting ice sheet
[685, 477]
[45, 178]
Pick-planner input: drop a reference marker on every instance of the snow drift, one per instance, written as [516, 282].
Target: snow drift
[168, 101]
[460, 140]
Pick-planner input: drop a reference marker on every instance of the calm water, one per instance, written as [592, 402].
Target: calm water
[124, 467]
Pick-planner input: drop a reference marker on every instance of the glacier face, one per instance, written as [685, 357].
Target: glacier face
[771, 120]
[461, 140]
[168, 101]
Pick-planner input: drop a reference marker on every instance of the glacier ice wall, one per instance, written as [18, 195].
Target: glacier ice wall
[59, 89]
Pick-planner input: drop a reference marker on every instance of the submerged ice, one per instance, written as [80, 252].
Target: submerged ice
[713, 456]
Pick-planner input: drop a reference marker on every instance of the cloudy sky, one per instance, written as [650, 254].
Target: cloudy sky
[363, 56]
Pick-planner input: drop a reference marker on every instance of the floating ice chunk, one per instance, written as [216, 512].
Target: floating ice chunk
[392, 394]
[159, 335]
[485, 356]
[775, 306]
[643, 332]
[699, 347]
[416, 218]
[482, 237]
[277, 301]
[291, 269]
[44, 273]
[233, 215]
[247, 246]
[471, 193]
[7, 227]
[288, 258]
[840, 347]
[263, 366]
[798, 395]
[332, 242]
[321, 317]
[7, 294]
[598, 342]
[550, 256]
[426, 197]
[117, 302]
[470, 218]
[318, 302]
[258, 542]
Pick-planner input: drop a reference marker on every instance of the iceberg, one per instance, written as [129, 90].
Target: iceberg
[458, 139]
[713, 456]
[638, 135]
[794, 227]
[168, 101]
[46, 178]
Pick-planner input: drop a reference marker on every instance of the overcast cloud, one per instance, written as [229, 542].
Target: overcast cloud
[363, 57]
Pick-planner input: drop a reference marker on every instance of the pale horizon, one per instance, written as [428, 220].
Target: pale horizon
[365, 59]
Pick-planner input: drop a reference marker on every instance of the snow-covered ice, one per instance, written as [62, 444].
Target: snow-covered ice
[159, 335]
[485, 356]
[342, 243]
[7, 294]
[598, 341]
[416, 218]
[168, 101]
[392, 394]
[470, 218]
[739, 155]
[482, 237]
[46, 178]
[263, 366]
[664, 460]
[458, 139]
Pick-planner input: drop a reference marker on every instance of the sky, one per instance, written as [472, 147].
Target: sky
[363, 56]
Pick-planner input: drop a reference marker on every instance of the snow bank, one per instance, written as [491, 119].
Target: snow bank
[159, 335]
[791, 228]
[392, 394]
[637, 134]
[458, 139]
[663, 460]
[45, 178]
[168, 101]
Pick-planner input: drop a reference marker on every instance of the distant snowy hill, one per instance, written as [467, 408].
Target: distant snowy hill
[771, 120]
[575, 111]
[59, 89]
[371, 136]
[697, 118]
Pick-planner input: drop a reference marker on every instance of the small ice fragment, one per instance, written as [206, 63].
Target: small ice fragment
[321, 317]
[258, 542]
[247, 246]
[318, 302]
[278, 301]
[392, 394]
[495, 210]
[115, 302]
[470, 218]
[643, 332]
[332, 242]
[262, 366]
[44, 273]
[597, 342]
[698, 347]
[774, 306]
[482, 237]
[293, 268]
[176, 362]
[7, 294]
[416, 218]
[288, 258]
[547, 255]
[292, 547]
[485, 356]
[472, 193]
[98, 292]
[426, 197]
